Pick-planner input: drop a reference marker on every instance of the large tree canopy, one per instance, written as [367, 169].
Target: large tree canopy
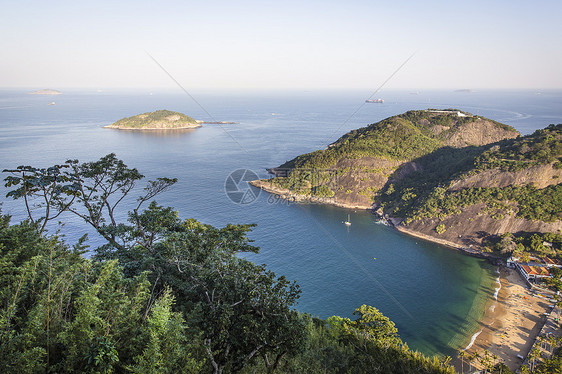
[162, 294]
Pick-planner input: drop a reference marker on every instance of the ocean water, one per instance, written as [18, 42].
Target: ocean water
[433, 294]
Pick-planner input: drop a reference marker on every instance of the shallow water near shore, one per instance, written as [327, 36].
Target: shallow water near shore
[434, 294]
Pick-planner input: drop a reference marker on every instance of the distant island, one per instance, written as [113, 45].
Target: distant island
[46, 92]
[158, 120]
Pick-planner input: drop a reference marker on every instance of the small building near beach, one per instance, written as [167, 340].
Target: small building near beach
[549, 262]
[533, 272]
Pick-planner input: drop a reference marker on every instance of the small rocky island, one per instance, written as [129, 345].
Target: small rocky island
[46, 92]
[158, 120]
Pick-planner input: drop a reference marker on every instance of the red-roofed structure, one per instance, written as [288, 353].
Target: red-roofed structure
[533, 272]
[552, 262]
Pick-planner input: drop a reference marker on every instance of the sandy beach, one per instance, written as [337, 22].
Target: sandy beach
[510, 325]
[513, 315]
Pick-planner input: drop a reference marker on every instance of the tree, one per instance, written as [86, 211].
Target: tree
[92, 191]
[51, 190]
[241, 310]
[165, 341]
[372, 324]
[60, 312]
[533, 355]
[462, 355]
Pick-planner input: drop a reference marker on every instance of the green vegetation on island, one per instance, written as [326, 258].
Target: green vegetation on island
[402, 137]
[356, 166]
[431, 191]
[445, 174]
[158, 120]
[46, 92]
[542, 147]
[161, 294]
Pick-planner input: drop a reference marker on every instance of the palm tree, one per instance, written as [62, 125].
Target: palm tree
[533, 355]
[486, 361]
[542, 341]
[501, 366]
[475, 356]
[495, 360]
[551, 343]
[445, 361]
[470, 359]
[462, 355]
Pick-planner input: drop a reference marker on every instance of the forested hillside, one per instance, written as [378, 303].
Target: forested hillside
[352, 169]
[162, 294]
[471, 194]
[443, 175]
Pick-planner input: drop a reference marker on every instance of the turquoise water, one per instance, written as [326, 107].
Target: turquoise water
[432, 293]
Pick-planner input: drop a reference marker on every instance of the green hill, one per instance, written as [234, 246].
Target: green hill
[357, 165]
[158, 120]
[470, 195]
[446, 176]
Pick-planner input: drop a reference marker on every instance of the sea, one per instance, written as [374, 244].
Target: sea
[434, 294]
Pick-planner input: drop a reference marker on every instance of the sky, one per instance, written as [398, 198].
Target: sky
[286, 44]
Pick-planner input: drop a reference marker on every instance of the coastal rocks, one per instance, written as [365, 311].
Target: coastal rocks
[472, 226]
[293, 197]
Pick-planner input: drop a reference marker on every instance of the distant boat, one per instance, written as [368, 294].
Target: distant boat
[348, 222]
[375, 101]
[51, 103]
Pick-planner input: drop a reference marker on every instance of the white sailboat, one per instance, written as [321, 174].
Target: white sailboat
[348, 222]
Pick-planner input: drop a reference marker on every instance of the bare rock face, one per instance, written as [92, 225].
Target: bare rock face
[514, 186]
[480, 132]
[472, 226]
[540, 176]
[361, 178]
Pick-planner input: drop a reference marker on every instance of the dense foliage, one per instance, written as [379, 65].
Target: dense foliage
[163, 295]
[542, 147]
[146, 119]
[426, 193]
[402, 137]
[524, 244]
[406, 137]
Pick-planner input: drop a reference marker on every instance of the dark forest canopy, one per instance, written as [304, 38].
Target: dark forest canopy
[163, 294]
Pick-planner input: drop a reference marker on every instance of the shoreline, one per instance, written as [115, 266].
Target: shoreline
[509, 325]
[296, 198]
[195, 126]
[394, 222]
[512, 316]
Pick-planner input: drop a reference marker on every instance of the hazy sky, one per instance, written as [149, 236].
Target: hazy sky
[281, 44]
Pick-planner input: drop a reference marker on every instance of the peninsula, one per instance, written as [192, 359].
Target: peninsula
[463, 181]
[158, 120]
[46, 92]
[442, 175]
